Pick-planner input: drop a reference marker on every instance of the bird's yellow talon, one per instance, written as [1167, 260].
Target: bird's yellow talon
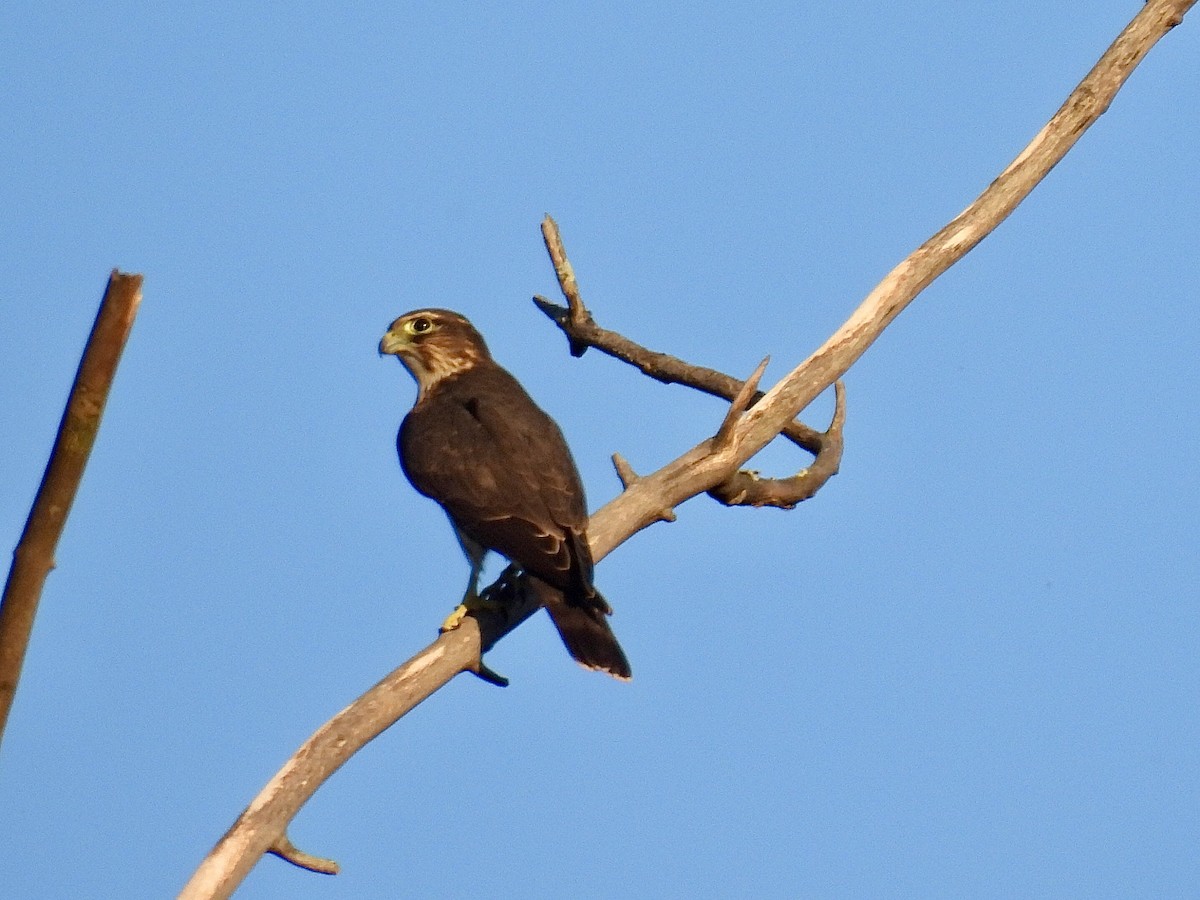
[455, 618]
[469, 605]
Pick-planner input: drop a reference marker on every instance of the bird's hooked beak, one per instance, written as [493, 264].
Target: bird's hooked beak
[394, 343]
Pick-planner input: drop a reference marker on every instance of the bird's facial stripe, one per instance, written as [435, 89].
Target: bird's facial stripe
[438, 361]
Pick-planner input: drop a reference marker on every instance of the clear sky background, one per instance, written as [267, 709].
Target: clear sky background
[969, 667]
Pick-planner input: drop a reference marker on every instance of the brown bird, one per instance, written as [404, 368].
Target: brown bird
[476, 443]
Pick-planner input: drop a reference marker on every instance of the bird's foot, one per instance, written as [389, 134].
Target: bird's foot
[468, 606]
[455, 618]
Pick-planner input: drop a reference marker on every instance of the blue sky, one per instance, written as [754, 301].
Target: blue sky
[968, 667]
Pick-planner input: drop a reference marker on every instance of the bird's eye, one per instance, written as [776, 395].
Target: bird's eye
[420, 326]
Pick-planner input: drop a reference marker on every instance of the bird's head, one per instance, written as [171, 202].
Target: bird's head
[433, 344]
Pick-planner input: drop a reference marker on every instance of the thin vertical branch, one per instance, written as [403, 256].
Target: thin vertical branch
[34, 556]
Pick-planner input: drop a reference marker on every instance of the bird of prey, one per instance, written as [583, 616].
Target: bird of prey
[476, 443]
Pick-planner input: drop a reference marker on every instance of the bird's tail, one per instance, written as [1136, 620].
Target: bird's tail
[584, 628]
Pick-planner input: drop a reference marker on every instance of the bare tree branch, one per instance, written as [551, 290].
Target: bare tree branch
[575, 317]
[742, 488]
[584, 332]
[34, 556]
[645, 499]
[746, 488]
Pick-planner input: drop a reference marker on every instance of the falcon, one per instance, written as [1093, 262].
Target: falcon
[476, 443]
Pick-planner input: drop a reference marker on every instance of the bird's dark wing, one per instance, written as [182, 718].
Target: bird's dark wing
[499, 466]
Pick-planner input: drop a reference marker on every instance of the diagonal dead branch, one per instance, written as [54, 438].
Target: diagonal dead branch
[627, 513]
[34, 557]
[262, 827]
[699, 469]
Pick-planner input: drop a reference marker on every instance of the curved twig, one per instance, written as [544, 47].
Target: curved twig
[698, 470]
[746, 488]
[285, 849]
